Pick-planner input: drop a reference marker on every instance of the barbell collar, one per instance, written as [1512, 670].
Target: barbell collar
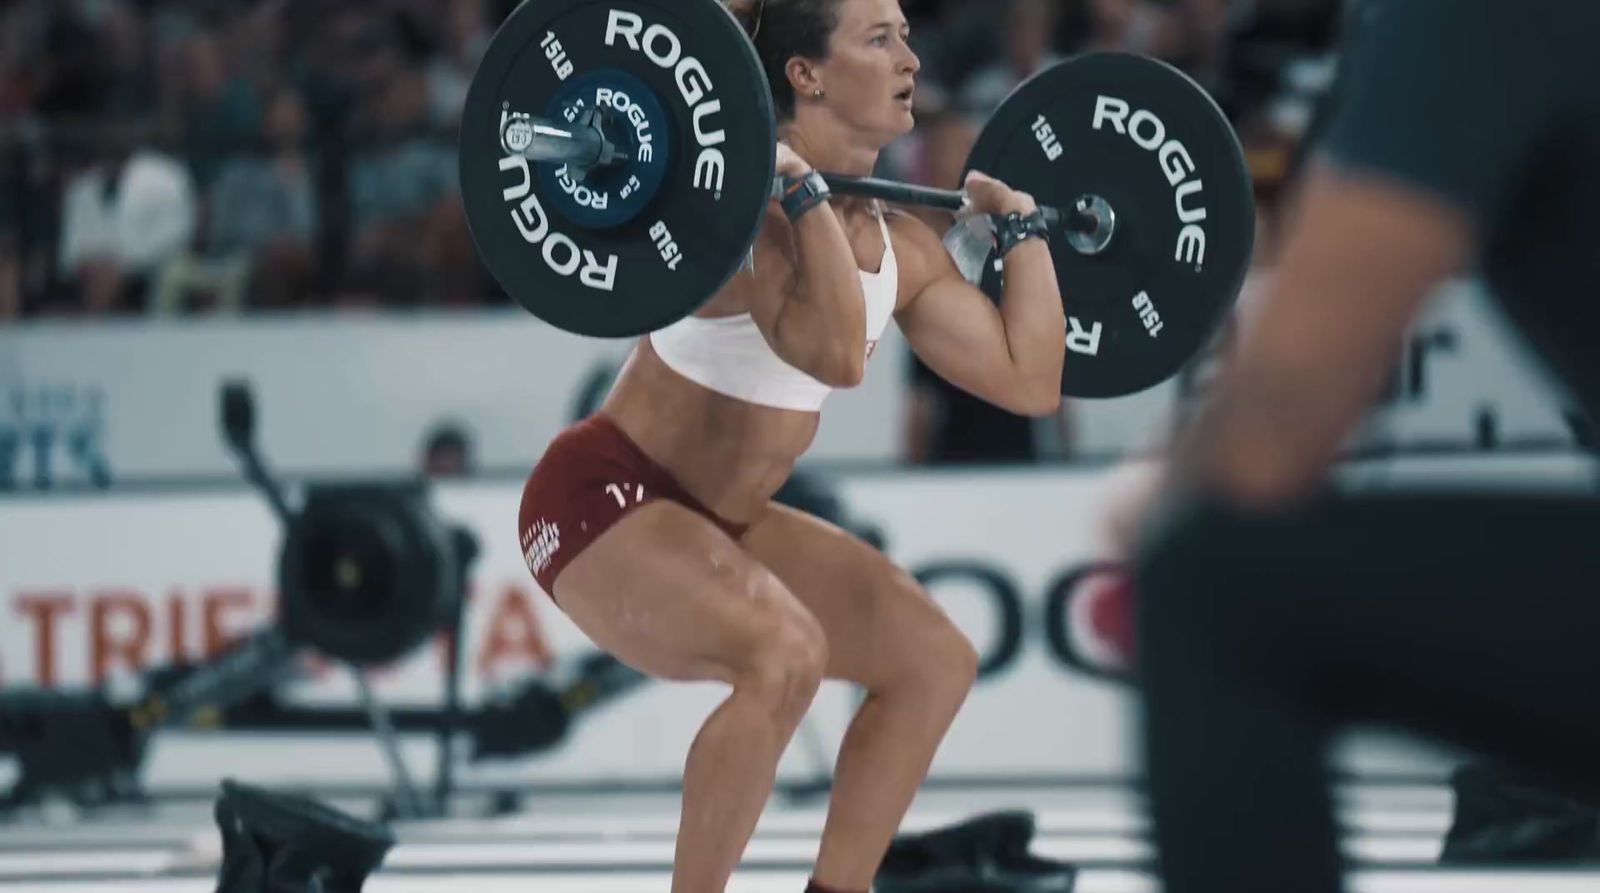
[581, 145]
[1102, 219]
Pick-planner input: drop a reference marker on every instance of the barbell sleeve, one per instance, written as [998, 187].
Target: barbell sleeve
[551, 142]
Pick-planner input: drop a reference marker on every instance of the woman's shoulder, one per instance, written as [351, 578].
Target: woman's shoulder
[915, 239]
[909, 229]
[919, 250]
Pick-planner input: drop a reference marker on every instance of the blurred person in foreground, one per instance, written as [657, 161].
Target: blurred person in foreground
[1274, 611]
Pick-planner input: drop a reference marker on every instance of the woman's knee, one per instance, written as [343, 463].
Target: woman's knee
[785, 663]
[951, 664]
[936, 656]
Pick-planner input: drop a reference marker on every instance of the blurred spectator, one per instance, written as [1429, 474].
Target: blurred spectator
[65, 59]
[263, 208]
[397, 138]
[219, 111]
[936, 155]
[355, 201]
[1191, 34]
[402, 185]
[17, 73]
[945, 425]
[447, 452]
[333, 45]
[29, 212]
[126, 86]
[11, 186]
[466, 35]
[956, 39]
[1133, 26]
[255, 42]
[947, 141]
[10, 279]
[1026, 49]
[123, 217]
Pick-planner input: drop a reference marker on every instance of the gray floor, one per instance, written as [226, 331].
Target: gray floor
[623, 844]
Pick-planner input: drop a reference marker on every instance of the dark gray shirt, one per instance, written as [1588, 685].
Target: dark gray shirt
[1494, 107]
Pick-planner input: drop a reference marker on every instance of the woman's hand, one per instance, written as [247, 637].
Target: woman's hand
[790, 164]
[1131, 496]
[990, 196]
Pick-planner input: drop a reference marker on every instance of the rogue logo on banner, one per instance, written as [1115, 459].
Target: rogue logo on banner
[1019, 618]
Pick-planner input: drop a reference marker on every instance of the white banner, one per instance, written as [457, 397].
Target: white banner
[335, 395]
[1462, 371]
[94, 587]
[349, 395]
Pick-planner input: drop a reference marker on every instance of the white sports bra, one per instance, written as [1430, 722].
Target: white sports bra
[729, 355]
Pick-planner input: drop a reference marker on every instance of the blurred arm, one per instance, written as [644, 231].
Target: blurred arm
[1360, 262]
[1445, 106]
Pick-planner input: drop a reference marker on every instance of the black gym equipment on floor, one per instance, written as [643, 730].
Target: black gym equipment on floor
[367, 573]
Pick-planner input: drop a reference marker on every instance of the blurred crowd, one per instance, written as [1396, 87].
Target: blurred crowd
[166, 157]
[217, 155]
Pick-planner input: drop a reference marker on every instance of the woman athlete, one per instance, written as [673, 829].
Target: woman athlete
[651, 522]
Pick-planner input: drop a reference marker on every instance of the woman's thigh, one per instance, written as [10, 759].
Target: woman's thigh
[668, 593]
[879, 621]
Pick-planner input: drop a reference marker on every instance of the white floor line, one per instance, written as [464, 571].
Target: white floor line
[794, 881]
[1047, 821]
[126, 861]
[762, 853]
[664, 825]
[1102, 848]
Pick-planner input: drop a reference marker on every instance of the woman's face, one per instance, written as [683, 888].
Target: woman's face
[870, 75]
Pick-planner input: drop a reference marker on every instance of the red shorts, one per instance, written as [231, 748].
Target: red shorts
[589, 478]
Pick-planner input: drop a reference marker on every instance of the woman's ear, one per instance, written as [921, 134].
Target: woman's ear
[803, 77]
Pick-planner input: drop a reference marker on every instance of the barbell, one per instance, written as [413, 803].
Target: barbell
[616, 163]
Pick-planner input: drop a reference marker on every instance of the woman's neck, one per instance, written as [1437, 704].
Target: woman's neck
[829, 148]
